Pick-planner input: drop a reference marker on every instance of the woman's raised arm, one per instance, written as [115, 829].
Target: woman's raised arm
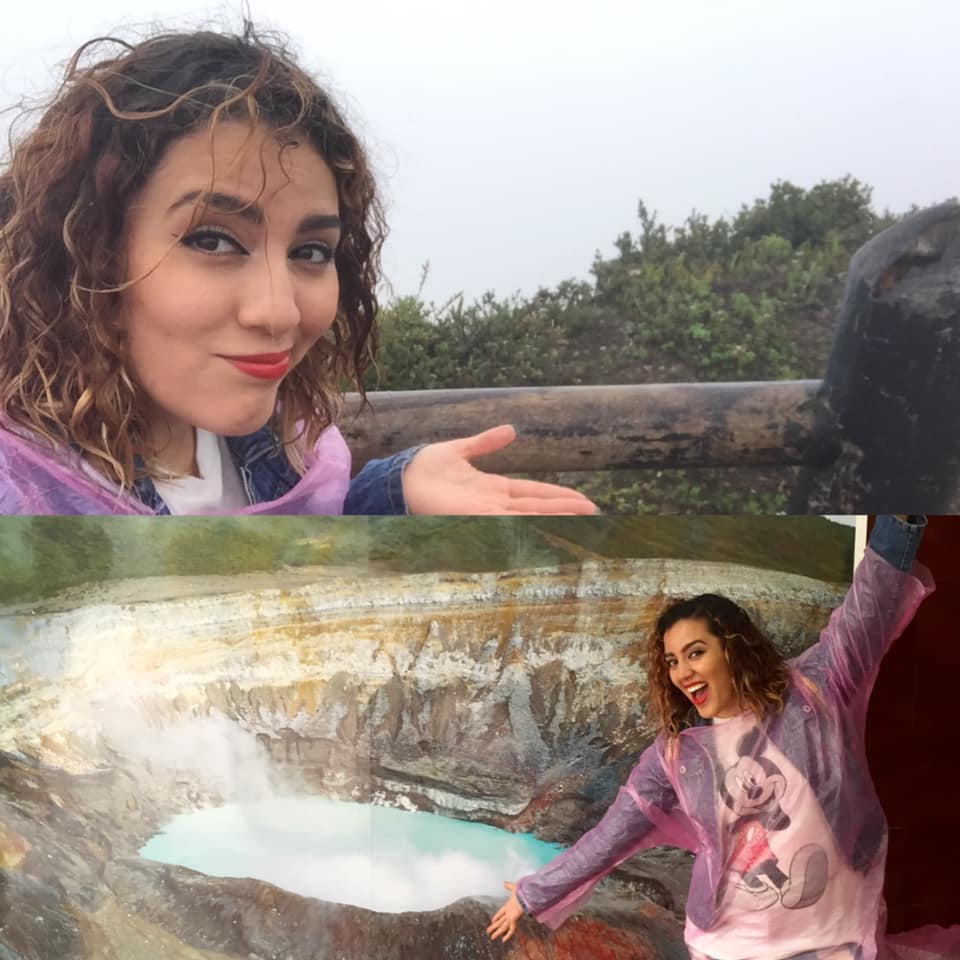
[887, 588]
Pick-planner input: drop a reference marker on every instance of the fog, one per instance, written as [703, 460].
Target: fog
[514, 140]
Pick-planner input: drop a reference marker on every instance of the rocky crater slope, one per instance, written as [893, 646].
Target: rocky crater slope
[512, 698]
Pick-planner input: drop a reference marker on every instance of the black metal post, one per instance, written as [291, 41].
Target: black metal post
[887, 421]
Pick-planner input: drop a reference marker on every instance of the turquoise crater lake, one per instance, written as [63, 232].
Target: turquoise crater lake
[370, 856]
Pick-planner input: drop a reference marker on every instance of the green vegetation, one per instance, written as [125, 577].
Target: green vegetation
[747, 299]
[42, 556]
[751, 298]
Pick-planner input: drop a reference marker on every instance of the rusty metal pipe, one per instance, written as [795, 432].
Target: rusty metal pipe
[600, 428]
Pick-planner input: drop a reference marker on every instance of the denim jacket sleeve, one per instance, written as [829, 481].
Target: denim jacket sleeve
[378, 488]
[897, 541]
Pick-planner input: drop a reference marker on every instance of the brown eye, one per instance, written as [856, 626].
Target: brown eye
[313, 253]
[212, 241]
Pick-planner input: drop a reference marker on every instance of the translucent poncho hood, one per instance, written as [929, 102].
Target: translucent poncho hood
[35, 479]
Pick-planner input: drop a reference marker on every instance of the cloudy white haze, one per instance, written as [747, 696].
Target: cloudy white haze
[514, 137]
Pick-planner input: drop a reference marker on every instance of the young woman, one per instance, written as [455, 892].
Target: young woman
[759, 769]
[189, 249]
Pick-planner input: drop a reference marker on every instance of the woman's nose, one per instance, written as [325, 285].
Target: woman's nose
[681, 674]
[268, 298]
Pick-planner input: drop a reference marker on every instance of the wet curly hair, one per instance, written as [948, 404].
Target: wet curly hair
[759, 673]
[64, 194]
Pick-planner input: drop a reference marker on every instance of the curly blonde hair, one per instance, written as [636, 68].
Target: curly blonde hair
[759, 673]
[64, 195]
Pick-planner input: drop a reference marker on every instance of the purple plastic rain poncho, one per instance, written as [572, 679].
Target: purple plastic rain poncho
[789, 835]
[35, 479]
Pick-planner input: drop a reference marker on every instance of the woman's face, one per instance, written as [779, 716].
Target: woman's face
[223, 306]
[698, 667]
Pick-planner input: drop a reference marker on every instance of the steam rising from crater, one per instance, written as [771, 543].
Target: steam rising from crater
[213, 749]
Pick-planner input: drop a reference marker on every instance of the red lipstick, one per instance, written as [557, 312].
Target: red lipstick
[263, 366]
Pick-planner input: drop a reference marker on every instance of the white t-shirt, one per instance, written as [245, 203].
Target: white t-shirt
[217, 488]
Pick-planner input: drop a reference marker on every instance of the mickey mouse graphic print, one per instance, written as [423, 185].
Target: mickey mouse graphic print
[779, 859]
[755, 791]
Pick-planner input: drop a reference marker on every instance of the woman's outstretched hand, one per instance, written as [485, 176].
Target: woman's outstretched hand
[504, 922]
[440, 479]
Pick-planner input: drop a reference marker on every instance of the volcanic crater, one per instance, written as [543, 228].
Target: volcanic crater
[514, 699]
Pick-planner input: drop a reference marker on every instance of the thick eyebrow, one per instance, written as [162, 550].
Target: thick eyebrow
[319, 221]
[685, 648]
[253, 212]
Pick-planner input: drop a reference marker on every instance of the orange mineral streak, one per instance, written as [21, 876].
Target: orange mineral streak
[13, 848]
[579, 939]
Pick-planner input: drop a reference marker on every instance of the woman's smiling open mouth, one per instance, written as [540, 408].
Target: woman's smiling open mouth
[698, 693]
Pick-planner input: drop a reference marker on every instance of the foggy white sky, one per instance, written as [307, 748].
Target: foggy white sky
[514, 137]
